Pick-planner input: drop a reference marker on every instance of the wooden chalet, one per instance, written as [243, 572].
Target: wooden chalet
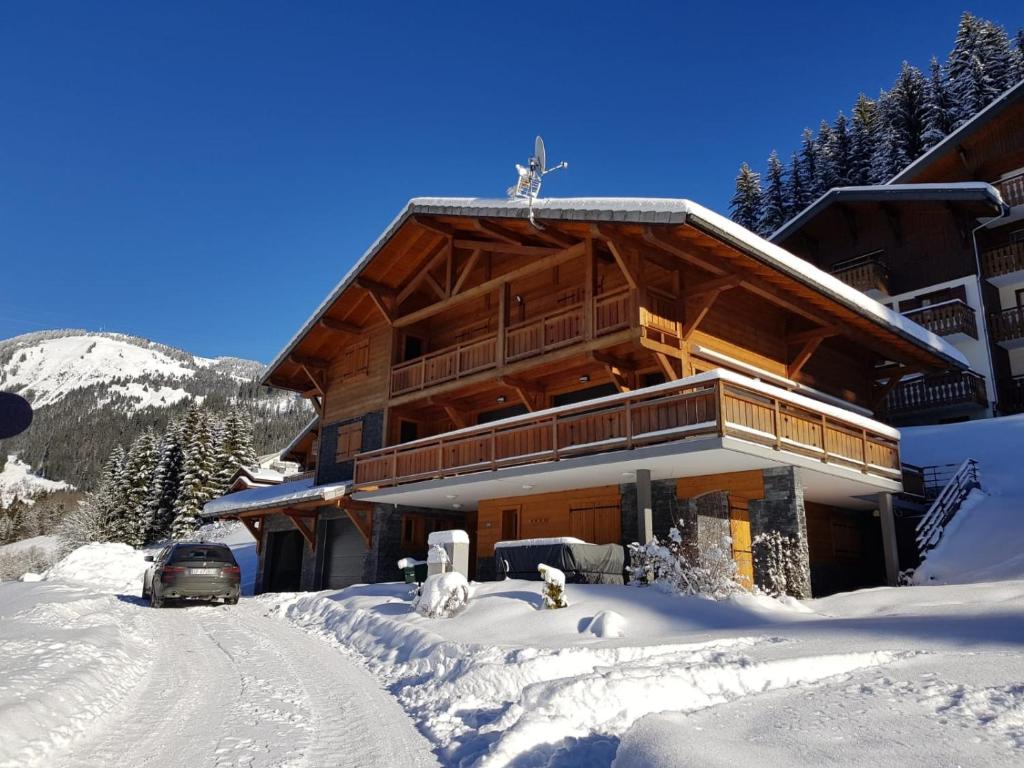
[620, 366]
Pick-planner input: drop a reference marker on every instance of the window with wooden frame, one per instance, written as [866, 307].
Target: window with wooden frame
[355, 360]
[350, 441]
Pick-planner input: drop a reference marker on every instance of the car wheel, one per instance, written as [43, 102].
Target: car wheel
[231, 600]
[154, 601]
[145, 592]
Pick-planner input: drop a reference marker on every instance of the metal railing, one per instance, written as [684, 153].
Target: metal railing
[946, 504]
[705, 405]
[946, 318]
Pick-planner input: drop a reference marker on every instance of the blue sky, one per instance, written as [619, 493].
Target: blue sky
[203, 173]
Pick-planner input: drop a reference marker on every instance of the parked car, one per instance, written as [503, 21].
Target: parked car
[192, 570]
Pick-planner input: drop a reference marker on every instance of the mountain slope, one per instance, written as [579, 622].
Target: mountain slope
[92, 391]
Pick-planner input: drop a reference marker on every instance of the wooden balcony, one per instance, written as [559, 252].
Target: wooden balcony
[711, 404]
[1004, 265]
[554, 330]
[949, 318]
[942, 391]
[1008, 327]
[1015, 396]
[865, 273]
[1012, 189]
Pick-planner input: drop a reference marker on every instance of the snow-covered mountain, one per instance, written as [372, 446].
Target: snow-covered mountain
[91, 391]
[18, 482]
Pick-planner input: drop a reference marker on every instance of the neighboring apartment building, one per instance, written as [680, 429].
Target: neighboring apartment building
[943, 243]
[623, 365]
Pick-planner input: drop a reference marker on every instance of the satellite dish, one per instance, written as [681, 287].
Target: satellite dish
[540, 154]
[15, 415]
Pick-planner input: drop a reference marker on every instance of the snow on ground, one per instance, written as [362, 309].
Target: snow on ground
[45, 543]
[146, 396]
[983, 542]
[17, 481]
[108, 568]
[505, 683]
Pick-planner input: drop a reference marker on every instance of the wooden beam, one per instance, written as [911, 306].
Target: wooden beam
[531, 395]
[382, 296]
[305, 521]
[695, 311]
[255, 527]
[361, 515]
[434, 256]
[466, 269]
[502, 247]
[315, 376]
[798, 362]
[458, 418]
[552, 259]
[497, 232]
[667, 366]
[883, 391]
[554, 236]
[621, 258]
[436, 227]
[616, 362]
[340, 326]
[823, 332]
[658, 239]
[717, 284]
[305, 361]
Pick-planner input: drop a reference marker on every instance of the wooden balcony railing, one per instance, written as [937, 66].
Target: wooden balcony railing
[938, 391]
[660, 318]
[1003, 261]
[445, 365]
[864, 273]
[612, 312]
[715, 403]
[1012, 189]
[947, 318]
[1008, 325]
[1015, 396]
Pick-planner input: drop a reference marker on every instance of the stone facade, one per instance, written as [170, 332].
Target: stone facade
[386, 549]
[782, 510]
[328, 470]
[311, 561]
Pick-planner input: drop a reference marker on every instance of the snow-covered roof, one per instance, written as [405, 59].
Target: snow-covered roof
[272, 496]
[298, 438]
[638, 210]
[1007, 98]
[947, 192]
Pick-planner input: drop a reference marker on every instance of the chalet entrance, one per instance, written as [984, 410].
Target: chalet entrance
[283, 569]
[742, 544]
[343, 553]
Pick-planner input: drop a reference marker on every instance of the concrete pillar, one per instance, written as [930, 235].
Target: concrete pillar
[887, 518]
[644, 507]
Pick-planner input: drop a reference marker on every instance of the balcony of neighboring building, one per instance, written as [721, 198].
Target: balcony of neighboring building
[571, 321]
[935, 394]
[954, 319]
[1011, 189]
[1008, 327]
[868, 273]
[716, 421]
[1014, 402]
[1004, 265]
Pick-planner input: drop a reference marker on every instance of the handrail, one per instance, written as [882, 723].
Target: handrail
[1012, 189]
[458, 369]
[1008, 324]
[946, 505]
[937, 391]
[703, 405]
[947, 317]
[1003, 260]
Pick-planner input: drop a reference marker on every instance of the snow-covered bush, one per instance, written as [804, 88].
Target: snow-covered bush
[85, 524]
[779, 565]
[607, 624]
[554, 587]
[709, 571]
[443, 595]
[14, 564]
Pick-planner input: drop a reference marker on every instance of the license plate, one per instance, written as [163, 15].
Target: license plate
[202, 571]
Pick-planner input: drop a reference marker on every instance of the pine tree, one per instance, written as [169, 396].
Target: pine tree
[1020, 54]
[997, 56]
[775, 210]
[810, 174]
[110, 495]
[796, 197]
[905, 113]
[745, 206]
[824, 146]
[866, 129]
[842, 152]
[139, 470]
[939, 109]
[235, 448]
[166, 482]
[197, 472]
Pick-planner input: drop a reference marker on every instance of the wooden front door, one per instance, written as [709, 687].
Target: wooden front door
[742, 545]
[510, 524]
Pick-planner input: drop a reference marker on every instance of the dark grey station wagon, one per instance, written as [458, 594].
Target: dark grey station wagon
[192, 570]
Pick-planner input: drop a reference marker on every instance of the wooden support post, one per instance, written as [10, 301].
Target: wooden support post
[305, 521]
[502, 323]
[589, 270]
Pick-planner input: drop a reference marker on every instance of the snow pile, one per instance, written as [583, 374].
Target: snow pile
[18, 482]
[983, 541]
[109, 567]
[607, 624]
[68, 659]
[443, 595]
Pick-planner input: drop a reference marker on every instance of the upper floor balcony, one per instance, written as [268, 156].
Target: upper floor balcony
[954, 319]
[604, 315]
[868, 273]
[1004, 265]
[749, 416]
[1012, 189]
[940, 392]
[1008, 328]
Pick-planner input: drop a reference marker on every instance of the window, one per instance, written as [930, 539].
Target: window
[350, 441]
[1020, 297]
[355, 360]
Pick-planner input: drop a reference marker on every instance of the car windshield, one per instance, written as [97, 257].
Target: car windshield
[214, 554]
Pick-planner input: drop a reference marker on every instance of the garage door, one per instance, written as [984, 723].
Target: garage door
[344, 553]
[283, 571]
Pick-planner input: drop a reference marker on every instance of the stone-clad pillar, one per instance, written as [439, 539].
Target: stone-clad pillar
[782, 510]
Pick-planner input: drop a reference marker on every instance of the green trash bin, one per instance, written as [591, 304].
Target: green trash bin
[414, 571]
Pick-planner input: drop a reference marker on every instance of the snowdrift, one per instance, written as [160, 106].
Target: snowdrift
[111, 568]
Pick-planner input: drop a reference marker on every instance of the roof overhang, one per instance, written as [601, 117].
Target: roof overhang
[976, 199]
[287, 495]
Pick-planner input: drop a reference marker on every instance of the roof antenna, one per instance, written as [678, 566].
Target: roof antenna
[527, 187]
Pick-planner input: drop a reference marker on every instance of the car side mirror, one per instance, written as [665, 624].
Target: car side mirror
[148, 558]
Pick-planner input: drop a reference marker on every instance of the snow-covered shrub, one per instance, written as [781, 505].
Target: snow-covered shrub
[607, 624]
[779, 565]
[13, 565]
[84, 525]
[443, 595]
[554, 587]
[709, 571]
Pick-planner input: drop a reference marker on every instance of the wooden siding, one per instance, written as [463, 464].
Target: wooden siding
[591, 514]
[356, 395]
